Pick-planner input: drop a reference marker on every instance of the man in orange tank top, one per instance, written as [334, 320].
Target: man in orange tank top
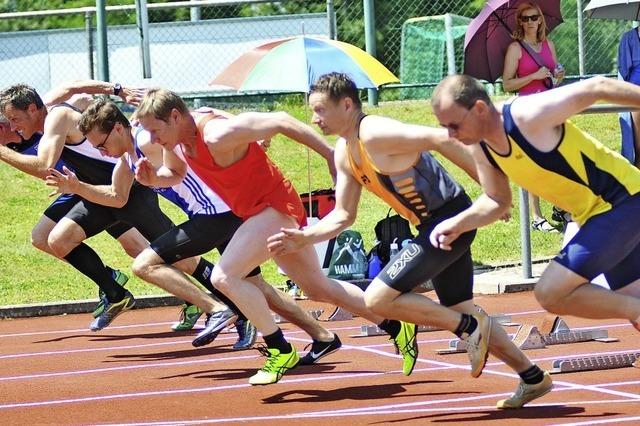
[222, 151]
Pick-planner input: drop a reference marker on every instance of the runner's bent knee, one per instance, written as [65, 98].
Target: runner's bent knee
[63, 240]
[40, 239]
[548, 296]
[376, 296]
[144, 261]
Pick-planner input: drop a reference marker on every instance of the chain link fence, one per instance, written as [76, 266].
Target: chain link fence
[189, 45]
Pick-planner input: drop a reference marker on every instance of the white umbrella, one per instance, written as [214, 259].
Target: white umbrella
[614, 9]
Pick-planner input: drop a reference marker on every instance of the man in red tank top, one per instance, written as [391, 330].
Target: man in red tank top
[223, 152]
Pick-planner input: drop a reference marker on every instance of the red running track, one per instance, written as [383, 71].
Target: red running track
[55, 371]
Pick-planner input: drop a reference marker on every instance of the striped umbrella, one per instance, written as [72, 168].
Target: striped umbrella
[294, 64]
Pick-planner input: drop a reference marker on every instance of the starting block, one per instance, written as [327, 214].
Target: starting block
[315, 313]
[373, 330]
[530, 337]
[339, 314]
[597, 362]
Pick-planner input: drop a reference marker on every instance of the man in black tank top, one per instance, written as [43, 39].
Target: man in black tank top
[395, 160]
[70, 220]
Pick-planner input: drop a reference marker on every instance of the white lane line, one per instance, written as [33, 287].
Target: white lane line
[602, 422]
[599, 388]
[85, 330]
[370, 411]
[125, 368]
[177, 391]
[123, 327]
[110, 348]
[500, 373]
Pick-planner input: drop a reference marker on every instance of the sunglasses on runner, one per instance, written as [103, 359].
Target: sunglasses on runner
[532, 18]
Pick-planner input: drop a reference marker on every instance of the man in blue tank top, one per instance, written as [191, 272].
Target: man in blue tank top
[532, 142]
[65, 225]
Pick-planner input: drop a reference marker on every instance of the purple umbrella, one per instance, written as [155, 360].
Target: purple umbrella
[489, 35]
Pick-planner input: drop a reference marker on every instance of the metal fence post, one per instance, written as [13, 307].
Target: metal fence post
[525, 234]
[102, 46]
[370, 41]
[142, 20]
[195, 14]
[331, 19]
[580, 38]
[88, 27]
[448, 33]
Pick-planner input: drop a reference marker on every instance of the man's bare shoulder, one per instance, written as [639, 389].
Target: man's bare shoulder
[61, 115]
[373, 127]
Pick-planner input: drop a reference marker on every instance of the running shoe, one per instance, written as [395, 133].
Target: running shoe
[215, 323]
[526, 393]
[247, 334]
[112, 310]
[478, 344]
[121, 279]
[189, 315]
[407, 345]
[277, 364]
[320, 350]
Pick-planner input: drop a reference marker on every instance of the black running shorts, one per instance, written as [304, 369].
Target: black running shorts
[65, 202]
[142, 212]
[197, 236]
[451, 272]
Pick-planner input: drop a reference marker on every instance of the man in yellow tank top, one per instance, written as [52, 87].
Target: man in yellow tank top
[532, 142]
[393, 160]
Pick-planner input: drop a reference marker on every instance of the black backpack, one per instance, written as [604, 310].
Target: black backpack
[392, 228]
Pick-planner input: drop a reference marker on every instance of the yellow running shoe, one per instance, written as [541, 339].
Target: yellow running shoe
[407, 346]
[277, 364]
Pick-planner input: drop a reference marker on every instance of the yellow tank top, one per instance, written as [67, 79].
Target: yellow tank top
[580, 175]
[413, 193]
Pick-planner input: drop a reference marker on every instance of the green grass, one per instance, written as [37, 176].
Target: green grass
[29, 276]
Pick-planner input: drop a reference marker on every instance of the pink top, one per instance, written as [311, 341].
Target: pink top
[526, 66]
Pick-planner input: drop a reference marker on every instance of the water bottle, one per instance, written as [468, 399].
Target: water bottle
[375, 266]
[554, 75]
[393, 248]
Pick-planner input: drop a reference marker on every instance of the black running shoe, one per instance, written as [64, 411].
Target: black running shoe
[320, 350]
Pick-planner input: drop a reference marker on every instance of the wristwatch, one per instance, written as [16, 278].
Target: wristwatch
[117, 87]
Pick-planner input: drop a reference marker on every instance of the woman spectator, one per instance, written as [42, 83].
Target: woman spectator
[530, 66]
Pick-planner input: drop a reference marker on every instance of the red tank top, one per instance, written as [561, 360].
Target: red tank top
[249, 185]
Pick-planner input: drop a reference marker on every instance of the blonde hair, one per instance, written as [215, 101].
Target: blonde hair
[518, 32]
[159, 103]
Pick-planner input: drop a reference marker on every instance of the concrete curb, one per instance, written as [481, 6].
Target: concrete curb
[501, 278]
[78, 307]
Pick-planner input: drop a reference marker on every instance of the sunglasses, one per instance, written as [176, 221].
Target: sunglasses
[101, 147]
[532, 18]
[456, 126]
